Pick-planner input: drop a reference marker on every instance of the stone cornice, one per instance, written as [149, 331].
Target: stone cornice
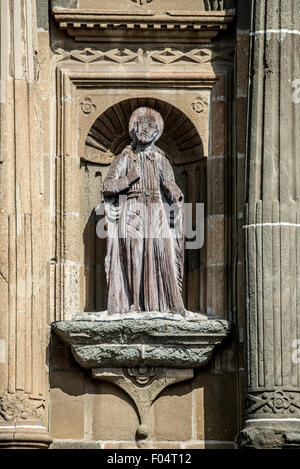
[89, 22]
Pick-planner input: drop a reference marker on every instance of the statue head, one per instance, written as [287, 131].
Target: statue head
[145, 125]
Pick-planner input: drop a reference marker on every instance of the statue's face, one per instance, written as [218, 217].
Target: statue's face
[146, 129]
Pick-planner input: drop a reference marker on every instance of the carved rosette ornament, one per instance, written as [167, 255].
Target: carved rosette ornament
[278, 401]
[87, 106]
[200, 104]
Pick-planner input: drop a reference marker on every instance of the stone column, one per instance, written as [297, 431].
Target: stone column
[272, 228]
[22, 276]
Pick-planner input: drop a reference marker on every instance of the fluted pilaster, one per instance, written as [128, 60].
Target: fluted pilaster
[272, 228]
[22, 286]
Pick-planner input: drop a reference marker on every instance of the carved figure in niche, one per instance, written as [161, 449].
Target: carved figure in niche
[144, 213]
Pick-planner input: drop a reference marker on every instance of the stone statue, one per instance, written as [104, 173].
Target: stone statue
[144, 215]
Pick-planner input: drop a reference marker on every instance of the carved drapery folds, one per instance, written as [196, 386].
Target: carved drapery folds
[219, 5]
[181, 143]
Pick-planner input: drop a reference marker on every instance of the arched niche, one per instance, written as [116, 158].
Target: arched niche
[183, 147]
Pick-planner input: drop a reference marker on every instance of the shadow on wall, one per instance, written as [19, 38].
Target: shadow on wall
[94, 255]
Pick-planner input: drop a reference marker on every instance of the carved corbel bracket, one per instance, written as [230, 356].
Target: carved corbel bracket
[142, 356]
[143, 385]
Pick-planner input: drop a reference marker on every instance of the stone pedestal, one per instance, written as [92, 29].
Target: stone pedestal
[142, 356]
[272, 229]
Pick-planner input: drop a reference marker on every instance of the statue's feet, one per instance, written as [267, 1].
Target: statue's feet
[182, 311]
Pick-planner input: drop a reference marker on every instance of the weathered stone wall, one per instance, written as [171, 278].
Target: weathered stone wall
[45, 183]
[24, 232]
[200, 413]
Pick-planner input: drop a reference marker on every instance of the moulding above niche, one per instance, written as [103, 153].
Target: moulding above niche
[85, 25]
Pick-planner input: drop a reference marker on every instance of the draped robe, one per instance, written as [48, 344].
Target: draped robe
[144, 261]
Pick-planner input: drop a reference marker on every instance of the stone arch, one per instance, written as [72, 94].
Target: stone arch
[180, 140]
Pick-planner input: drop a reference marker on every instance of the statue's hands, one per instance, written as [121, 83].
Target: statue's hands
[133, 174]
[173, 192]
[177, 194]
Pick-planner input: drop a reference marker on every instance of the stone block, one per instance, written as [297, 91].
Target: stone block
[216, 169]
[121, 445]
[71, 274]
[73, 248]
[42, 14]
[219, 445]
[243, 14]
[218, 128]
[241, 127]
[215, 240]
[240, 186]
[46, 117]
[159, 445]
[242, 45]
[67, 405]
[122, 5]
[195, 445]
[75, 444]
[217, 296]
[172, 412]
[114, 416]
[61, 357]
[240, 294]
[216, 403]
[73, 186]
[65, 3]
